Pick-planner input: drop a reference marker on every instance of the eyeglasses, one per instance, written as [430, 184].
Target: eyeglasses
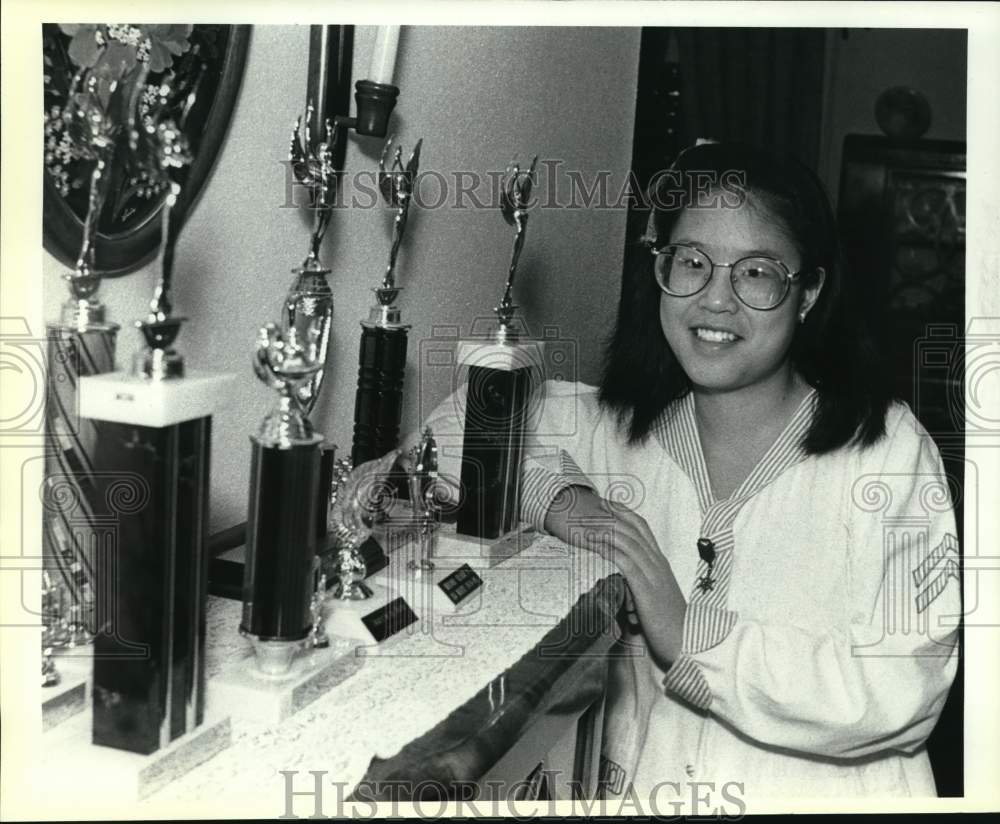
[759, 282]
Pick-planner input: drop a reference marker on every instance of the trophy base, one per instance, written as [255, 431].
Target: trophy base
[451, 549]
[248, 694]
[274, 657]
[92, 774]
[70, 696]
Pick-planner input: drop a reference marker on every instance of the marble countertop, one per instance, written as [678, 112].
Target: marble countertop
[413, 698]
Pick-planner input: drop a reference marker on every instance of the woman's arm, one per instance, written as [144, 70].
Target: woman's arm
[584, 520]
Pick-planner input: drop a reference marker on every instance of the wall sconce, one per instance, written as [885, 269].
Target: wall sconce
[331, 51]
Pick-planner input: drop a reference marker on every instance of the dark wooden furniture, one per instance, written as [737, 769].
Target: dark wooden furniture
[902, 216]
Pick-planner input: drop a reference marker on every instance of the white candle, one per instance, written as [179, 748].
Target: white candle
[384, 56]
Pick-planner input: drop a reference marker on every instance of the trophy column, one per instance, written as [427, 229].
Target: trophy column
[379, 401]
[151, 463]
[500, 382]
[282, 534]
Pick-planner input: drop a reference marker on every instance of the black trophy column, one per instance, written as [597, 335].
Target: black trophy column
[149, 653]
[491, 451]
[379, 401]
[281, 541]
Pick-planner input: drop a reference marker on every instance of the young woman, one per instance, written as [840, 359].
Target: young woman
[785, 529]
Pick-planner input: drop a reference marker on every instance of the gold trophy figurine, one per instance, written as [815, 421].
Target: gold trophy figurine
[309, 302]
[514, 199]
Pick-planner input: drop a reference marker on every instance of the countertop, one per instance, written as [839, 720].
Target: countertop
[442, 700]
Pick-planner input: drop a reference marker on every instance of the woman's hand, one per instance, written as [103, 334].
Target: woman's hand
[630, 545]
[659, 602]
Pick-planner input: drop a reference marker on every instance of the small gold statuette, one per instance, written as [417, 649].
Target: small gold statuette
[422, 478]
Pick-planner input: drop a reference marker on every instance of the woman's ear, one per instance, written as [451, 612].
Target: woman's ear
[811, 293]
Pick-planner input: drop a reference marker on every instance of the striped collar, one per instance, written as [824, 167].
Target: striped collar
[677, 432]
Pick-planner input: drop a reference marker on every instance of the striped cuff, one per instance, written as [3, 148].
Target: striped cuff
[685, 679]
[539, 487]
[704, 628]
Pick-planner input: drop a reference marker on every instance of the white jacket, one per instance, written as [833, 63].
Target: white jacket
[818, 661]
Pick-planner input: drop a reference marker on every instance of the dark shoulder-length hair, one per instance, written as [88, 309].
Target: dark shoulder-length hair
[833, 349]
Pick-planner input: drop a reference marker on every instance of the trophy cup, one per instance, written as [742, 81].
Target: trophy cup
[279, 572]
[382, 354]
[152, 460]
[500, 380]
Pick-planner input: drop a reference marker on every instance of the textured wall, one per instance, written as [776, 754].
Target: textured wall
[478, 97]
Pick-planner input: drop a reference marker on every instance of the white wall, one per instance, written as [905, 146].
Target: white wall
[478, 97]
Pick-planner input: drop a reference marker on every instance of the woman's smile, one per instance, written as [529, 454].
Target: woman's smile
[715, 334]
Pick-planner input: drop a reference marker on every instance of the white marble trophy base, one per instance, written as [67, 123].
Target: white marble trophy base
[94, 774]
[251, 695]
[71, 694]
[451, 550]
[126, 398]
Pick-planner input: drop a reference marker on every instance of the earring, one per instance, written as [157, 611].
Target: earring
[802, 316]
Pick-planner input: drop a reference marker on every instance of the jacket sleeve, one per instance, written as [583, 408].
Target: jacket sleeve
[556, 419]
[879, 680]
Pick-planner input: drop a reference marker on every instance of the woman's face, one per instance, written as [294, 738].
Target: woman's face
[721, 343]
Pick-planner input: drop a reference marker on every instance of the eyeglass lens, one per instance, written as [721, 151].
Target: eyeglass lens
[759, 282]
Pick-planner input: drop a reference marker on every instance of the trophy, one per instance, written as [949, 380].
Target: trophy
[280, 567]
[499, 384]
[152, 455]
[80, 343]
[308, 307]
[421, 478]
[382, 355]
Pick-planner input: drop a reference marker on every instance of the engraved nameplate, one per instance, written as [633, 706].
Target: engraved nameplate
[460, 584]
[390, 619]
